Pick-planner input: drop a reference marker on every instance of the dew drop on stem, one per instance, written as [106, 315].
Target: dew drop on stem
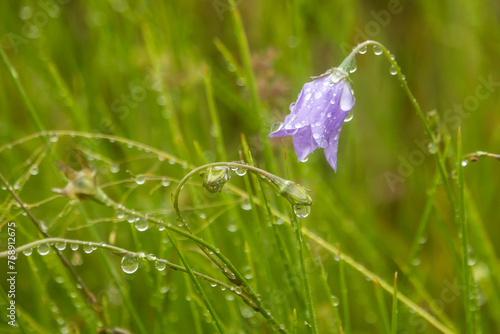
[60, 246]
[363, 50]
[392, 70]
[141, 224]
[377, 50]
[160, 265]
[140, 179]
[74, 247]
[88, 248]
[129, 264]
[43, 249]
[28, 251]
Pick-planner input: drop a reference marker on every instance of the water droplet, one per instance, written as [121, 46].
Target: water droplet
[392, 70]
[213, 285]
[60, 245]
[318, 95]
[114, 169]
[276, 126]
[305, 159]
[354, 66]
[416, 262]
[471, 261]
[363, 50]
[349, 117]
[129, 264]
[165, 182]
[34, 170]
[74, 247]
[131, 218]
[316, 136]
[238, 290]
[246, 205]
[335, 301]
[308, 96]
[422, 240]
[292, 106]
[377, 50]
[432, 148]
[232, 227]
[302, 211]
[87, 248]
[54, 139]
[141, 224]
[28, 251]
[240, 171]
[465, 162]
[160, 265]
[140, 179]
[160, 226]
[43, 249]
[120, 214]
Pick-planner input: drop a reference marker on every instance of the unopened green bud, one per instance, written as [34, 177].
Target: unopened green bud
[296, 194]
[215, 178]
[81, 185]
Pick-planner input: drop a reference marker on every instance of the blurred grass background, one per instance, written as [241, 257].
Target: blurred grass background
[135, 69]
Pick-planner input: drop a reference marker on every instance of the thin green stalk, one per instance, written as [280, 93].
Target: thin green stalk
[297, 225]
[465, 238]
[24, 96]
[394, 324]
[344, 294]
[416, 106]
[382, 307]
[214, 116]
[196, 283]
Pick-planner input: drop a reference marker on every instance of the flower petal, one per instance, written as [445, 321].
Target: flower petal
[347, 100]
[332, 148]
[304, 143]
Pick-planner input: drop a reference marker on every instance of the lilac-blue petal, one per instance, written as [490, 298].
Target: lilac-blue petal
[332, 148]
[347, 100]
[303, 143]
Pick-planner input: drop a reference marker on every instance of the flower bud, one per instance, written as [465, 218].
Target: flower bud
[293, 192]
[215, 178]
[82, 184]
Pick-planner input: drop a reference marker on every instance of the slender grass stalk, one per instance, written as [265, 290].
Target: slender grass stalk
[344, 293]
[394, 324]
[382, 307]
[469, 326]
[297, 225]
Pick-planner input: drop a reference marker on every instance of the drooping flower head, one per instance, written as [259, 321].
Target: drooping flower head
[317, 116]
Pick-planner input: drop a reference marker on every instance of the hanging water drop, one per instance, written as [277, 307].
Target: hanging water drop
[363, 50]
[160, 265]
[140, 179]
[60, 245]
[43, 249]
[28, 251]
[160, 227]
[349, 117]
[74, 247]
[302, 211]
[432, 148]
[354, 66]
[392, 70]
[465, 162]
[377, 50]
[129, 264]
[114, 169]
[88, 248]
[120, 214]
[34, 170]
[131, 218]
[335, 301]
[141, 224]
[240, 171]
[165, 182]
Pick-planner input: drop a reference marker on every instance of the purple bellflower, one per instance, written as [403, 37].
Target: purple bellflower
[317, 116]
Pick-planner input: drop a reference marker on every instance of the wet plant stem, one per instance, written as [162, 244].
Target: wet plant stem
[416, 106]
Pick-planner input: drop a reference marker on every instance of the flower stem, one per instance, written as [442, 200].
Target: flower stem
[416, 106]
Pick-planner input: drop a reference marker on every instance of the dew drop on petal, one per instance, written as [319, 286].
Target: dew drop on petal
[308, 96]
[316, 136]
[276, 126]
[302, 211]
[129, 264]
[377, 50]
[141, 224]
[292, 106]
[318, 95]
[43, 249]
[392, 70]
